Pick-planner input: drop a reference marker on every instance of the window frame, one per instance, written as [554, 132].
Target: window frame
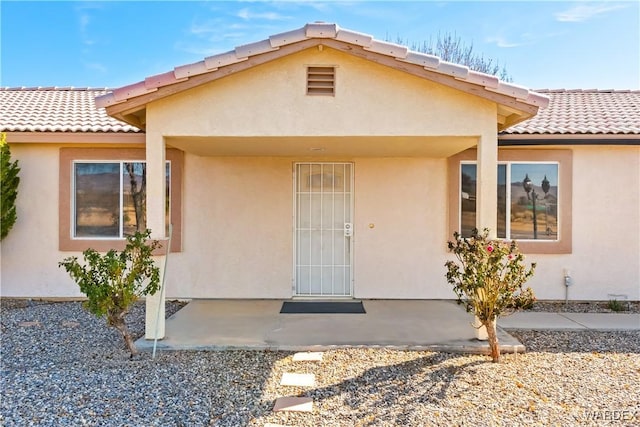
[70, 156]
[563, 158]
[121, 185]
[509, 201]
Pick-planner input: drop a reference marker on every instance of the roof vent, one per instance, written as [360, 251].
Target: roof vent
[321, 80]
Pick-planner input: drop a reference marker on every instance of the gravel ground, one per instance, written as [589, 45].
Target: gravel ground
[62, 367]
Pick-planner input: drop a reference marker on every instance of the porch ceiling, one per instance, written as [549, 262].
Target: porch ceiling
[319, 146]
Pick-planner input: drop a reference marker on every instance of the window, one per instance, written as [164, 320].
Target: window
[109, 198]
[548, 175]
[103, 197]
[527, 206]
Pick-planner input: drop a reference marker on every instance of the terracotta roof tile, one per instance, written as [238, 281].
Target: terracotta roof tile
[570, 112]
[56, 109]
[584, 111]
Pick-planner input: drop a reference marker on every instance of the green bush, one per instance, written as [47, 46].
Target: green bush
[114, 281]
[615, 305]
[488, 279]
[9, 181]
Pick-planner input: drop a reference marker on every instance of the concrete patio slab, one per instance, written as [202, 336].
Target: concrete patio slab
[436, 325]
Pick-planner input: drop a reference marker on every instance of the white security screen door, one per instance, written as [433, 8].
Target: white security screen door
[323, 229]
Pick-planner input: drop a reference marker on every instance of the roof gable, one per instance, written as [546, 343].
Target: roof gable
[516, 103]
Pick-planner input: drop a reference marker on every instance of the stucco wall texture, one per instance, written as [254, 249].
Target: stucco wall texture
[238, 239]
[237, 220]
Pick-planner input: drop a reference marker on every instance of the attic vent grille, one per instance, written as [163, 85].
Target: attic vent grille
[321, 80]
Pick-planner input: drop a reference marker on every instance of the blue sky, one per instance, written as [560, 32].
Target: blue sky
[544, 44]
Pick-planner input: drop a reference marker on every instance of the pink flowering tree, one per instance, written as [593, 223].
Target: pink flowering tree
[488, 279]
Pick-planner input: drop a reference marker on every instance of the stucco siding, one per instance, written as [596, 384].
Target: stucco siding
[238, 231]
[400, 228]
[606, 229]
[238, 217]
[370, 99]
[30, 253]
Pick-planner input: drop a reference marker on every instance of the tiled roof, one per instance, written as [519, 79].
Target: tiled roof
[584, 112]
[570, 112]
[56, 110]
[322, 30]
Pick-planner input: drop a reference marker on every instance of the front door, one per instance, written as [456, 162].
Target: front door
[323, 229]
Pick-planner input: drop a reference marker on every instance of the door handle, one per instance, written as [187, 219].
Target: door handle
[348, 229]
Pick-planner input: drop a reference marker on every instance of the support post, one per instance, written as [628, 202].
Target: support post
[156, 193]
[487, 196]
[487, 184]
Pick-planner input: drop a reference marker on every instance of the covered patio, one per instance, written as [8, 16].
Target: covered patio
[216, 324]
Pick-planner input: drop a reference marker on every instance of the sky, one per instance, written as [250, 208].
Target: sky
[542, 44]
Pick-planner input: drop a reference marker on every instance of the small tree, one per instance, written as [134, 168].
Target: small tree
[9, 181]
[114, 281]
[489, 280]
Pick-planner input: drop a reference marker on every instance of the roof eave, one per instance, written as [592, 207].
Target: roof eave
[568, 139]
[76, 137]
[519, 100]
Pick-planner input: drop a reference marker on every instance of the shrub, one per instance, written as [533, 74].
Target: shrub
[615, 305]
[488, 279]
[114, 281]
[9, 181]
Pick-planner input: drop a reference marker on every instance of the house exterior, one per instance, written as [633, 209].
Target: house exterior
[322, 163]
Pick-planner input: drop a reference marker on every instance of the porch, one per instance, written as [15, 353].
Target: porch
[436, 325]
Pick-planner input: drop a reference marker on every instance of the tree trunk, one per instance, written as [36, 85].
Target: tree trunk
[139, 195]
[119, 323]
[493, 340]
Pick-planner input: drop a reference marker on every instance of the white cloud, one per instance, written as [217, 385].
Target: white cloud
[585, 12]
[524, 39]
[95, 66]
[502, 42]
[247, 15]
[84, 12]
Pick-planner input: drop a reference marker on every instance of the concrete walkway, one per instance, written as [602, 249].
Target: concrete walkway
[572, 321]
[435, 325]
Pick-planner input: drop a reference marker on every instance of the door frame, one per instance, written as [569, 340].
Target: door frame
[294, 283]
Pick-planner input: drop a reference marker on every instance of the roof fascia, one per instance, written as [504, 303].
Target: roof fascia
[419, 71]
[76, 137]
[133, 105]
[570, 139]
[124, 110]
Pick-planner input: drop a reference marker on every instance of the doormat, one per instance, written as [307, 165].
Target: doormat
[322, 307]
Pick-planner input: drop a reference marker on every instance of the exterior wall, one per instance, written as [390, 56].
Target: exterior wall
[238, 231]
[30, 253]
[403, 254]
[237, 235]
[606, 229]
[370, 99]
[237, 211]
[237, 225]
